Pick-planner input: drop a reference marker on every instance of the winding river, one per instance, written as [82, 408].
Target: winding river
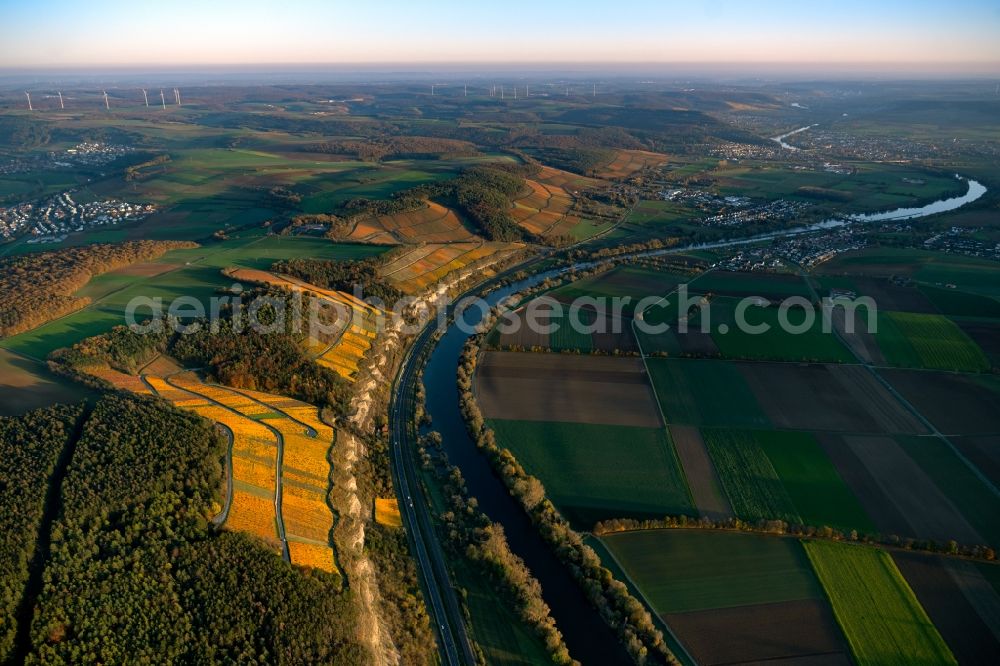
[587, 636]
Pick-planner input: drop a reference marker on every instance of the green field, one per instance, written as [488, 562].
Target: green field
[196, 273]
[501, 635]
[962, 303]
[777, 342]
[873, 187]
[566, 337]
[972, 274]
[688, 570]
[878, 612]
[978, 502]
[910, 340]
[749, 284]
[704, 393]
[594, 472]
[635, 282]
[752, 484]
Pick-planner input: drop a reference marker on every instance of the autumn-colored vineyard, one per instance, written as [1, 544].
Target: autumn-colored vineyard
[628, 162]
[354, 330]
[416, 270]
[431, 223]
[259, 423]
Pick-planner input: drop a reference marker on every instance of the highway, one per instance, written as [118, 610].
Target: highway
[443, 606]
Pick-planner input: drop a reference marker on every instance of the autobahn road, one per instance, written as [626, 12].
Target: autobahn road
[445, 611]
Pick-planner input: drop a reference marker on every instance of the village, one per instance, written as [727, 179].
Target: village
[52, 219]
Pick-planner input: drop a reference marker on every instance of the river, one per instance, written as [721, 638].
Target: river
[588, 638]
[781, 139]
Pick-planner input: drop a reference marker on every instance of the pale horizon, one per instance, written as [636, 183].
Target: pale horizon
[853, 36]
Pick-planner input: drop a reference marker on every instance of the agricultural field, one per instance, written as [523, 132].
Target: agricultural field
[546, 208]
[644, 479]
[878, 612]
[387, 512]
[565, 388]
[192, 273]
[970, 274]
[873, 187]
[799, 338]
[772, 286]
[730, 597]
[633, 282]
[431, 223]
[927, 341]
[416, 270]
[581, 329]
[826, 397]
[26, 384]
[959, 601]
[629, 162]
[783, 475]
[705, 393]
[954, 404]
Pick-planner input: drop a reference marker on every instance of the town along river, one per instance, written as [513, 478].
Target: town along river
[587, 636]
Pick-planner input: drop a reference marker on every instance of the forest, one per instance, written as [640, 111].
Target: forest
[36, 288]
[136, 573]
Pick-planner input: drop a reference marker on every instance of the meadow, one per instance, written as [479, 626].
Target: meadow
[878, 612]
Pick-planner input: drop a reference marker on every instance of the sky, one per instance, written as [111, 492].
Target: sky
[963, 35]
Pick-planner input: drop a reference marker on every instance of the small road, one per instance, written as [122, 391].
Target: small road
[445, 611]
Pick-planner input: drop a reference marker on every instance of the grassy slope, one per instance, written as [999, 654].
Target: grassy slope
[881, 617]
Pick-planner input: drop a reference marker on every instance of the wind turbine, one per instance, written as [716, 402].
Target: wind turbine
[145, 98]
[61, 105]
[29, 100]
[107, 104]
[466, 89]
[501, 91]
[432, 90]
[177, 96]
[526, 90]
[595, 90]
[162, 100]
